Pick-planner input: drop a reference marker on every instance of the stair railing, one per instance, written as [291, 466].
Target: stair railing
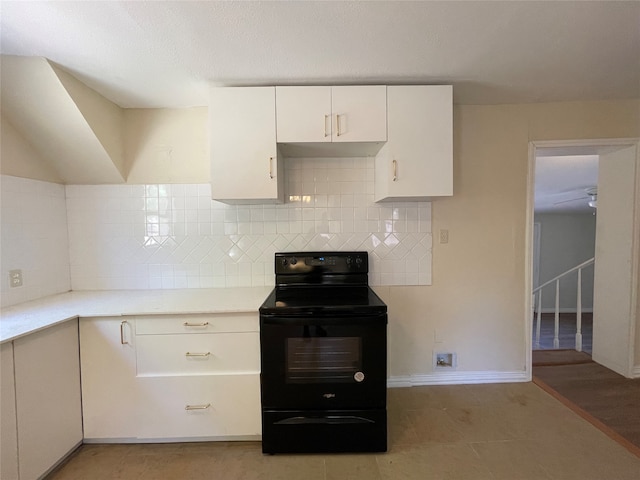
[556, 331]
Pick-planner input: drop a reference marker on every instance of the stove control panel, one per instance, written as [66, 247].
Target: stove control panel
[322, 262]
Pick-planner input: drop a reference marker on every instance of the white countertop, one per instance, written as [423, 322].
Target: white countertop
[25, 318]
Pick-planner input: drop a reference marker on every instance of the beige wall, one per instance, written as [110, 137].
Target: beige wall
[167, 145]
[476, 306]
[19, 159]
[103, 116]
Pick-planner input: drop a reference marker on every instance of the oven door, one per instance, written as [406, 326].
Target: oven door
[323, 363]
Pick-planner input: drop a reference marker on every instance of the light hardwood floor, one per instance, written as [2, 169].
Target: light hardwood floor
[463, 432]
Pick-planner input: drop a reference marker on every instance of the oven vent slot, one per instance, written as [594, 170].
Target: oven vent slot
[330, 420]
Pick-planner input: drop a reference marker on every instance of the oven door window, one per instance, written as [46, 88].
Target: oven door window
[314, 358]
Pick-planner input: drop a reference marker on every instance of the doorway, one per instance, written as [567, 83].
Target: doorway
[564, 246]
[617, 238]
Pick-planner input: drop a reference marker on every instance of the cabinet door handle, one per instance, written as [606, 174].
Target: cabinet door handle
[395, 170]
[338, 124]
[326, 133]
[193, 354]
[197, 407]
[122, 340]
[203, 324]
[270, 167]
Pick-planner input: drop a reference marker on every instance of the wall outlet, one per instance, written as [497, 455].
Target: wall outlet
[15, 278]
[444, 360]
[444, 236]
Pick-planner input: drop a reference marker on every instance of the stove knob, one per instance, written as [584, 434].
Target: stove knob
[359, 261]
[284, 262]
[293, 261]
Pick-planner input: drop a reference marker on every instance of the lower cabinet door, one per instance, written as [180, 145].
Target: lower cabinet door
[8, 429]
[223, 406]
[48, 402]
[109, 388]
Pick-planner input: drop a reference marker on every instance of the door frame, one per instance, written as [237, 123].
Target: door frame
[586, 146]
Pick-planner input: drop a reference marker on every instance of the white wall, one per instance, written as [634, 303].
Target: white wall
[566, 240]
[34, 239]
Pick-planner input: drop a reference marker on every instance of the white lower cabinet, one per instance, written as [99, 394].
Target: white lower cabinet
[222, 406]
[109, 389]
[215, 353]
[48, 404]
[8, 427]
[167, 378]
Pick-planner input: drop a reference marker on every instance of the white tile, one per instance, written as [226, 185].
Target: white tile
[335, 199]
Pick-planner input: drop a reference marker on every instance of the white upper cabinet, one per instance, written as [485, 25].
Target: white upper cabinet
[245, 164]
[416, 163]
[303, 114]
[409, 130]
[331, 114]
[360, 113]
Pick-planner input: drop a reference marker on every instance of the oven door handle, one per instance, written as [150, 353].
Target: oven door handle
[328, 420]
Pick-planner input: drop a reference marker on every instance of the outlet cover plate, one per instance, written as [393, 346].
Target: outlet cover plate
[15, 278]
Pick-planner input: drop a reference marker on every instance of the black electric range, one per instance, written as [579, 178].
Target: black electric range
[323, 356]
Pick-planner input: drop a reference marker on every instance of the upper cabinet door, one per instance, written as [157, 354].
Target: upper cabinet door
[416, 163]
[244, 159]
[331, 114]
[303, 114]
[359, 113]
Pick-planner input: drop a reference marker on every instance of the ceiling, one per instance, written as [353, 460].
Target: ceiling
[165, 54]
[144, 54]
[563, 183]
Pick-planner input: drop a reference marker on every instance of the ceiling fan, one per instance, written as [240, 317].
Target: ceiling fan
[591, 193]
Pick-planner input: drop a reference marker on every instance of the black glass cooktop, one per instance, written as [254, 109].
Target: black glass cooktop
[343, 300]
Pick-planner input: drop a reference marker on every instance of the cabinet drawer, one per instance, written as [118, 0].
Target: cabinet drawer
[214, 406]
[213, 353]
[231, 322]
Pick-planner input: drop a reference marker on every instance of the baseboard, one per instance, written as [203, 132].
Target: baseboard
[635, 372]
[457, 378]
[62, 459]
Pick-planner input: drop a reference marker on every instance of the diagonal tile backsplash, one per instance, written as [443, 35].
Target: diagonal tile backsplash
[175, 236]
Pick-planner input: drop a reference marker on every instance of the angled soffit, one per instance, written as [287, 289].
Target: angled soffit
[76, 130]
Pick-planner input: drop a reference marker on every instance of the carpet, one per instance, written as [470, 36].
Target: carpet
[547, 358]
[604, 398]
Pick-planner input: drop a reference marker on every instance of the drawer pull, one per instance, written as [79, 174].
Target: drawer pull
[197, 407]
[122, 340]
[192, 354]
[203, 324]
